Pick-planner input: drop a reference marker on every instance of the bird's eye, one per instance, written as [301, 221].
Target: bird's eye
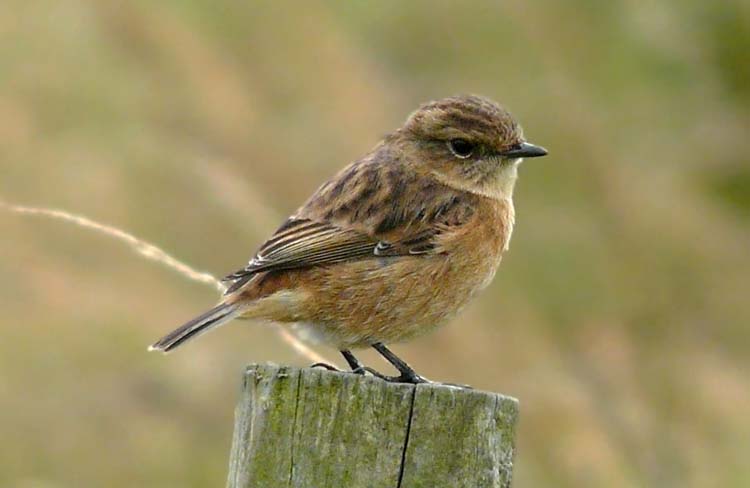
[461, 148]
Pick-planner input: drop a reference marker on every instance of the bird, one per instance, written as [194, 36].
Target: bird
[394, 245]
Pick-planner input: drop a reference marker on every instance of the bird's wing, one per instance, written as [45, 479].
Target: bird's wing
[302, 243]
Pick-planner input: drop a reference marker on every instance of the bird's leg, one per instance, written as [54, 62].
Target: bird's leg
[408, 375]
[354, 363]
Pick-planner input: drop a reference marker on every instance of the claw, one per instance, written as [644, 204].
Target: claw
[325, 366]
[360, 370]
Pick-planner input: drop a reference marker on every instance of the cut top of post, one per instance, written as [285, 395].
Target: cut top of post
[315, 428]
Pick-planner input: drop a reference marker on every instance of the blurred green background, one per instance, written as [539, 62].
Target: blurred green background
[620, 318]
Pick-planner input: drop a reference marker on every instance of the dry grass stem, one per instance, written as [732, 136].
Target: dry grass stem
[152, 253]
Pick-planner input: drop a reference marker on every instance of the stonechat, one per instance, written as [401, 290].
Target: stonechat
[395, 244]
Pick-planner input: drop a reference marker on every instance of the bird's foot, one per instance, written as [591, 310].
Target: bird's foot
[409, 377]
[360, 370]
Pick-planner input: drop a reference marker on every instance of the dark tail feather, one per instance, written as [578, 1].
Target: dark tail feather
[213, 318]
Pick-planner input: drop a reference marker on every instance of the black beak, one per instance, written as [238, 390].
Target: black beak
[524, 150]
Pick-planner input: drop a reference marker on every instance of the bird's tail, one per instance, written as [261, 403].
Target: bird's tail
[219, 315]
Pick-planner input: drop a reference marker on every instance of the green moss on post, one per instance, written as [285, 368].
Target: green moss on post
[312, 428]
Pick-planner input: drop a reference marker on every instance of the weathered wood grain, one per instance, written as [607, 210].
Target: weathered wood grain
[312, 428]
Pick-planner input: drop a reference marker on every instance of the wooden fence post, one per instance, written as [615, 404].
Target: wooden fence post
[312, 428]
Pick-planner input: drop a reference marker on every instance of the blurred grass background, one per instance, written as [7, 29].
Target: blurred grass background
[620, 318]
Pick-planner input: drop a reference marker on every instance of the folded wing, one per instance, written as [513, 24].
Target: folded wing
[302, 243]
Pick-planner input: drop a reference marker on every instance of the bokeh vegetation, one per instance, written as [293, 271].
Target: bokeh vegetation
[620, 318]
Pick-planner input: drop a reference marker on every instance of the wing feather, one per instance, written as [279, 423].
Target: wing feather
[310, 244]
[321, 244]
[371, 209]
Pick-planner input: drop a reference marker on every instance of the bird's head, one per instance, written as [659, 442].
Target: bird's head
[467, 142]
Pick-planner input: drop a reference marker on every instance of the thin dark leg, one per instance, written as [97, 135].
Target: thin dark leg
[408, 375]
[354, 363]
